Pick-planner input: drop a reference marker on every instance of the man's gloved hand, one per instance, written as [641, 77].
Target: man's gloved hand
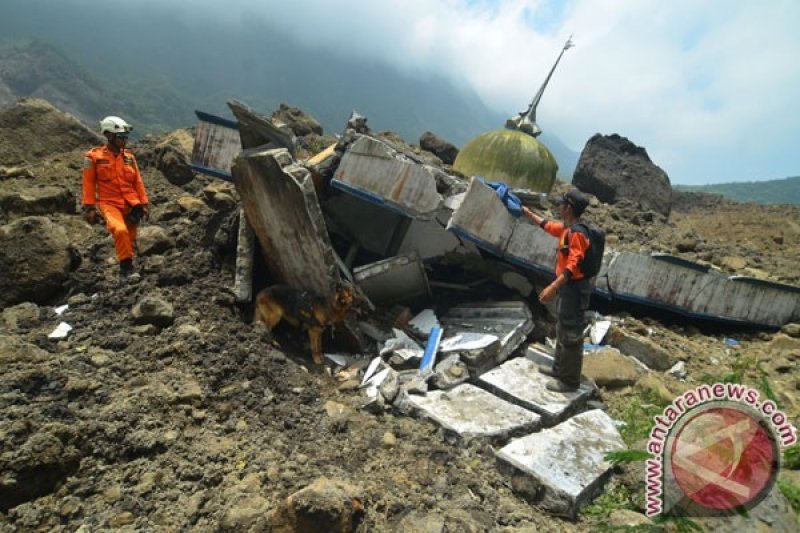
[90, 214]
[146, 211]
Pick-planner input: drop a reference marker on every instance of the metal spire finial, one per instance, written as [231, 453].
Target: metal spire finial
[526, 120]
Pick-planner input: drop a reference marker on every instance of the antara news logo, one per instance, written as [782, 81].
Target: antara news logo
[716, 452]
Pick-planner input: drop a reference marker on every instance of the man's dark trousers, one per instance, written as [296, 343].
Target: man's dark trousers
[573, 300]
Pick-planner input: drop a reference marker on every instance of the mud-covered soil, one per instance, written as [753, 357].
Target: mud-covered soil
[205, 425]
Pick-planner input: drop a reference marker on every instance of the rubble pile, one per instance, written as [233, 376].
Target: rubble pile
[162, 406]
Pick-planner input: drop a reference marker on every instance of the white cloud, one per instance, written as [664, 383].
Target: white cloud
[709, 87]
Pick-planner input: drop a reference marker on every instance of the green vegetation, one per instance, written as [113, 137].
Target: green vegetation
[792, 493]
[791, 457]
[638, 415]
[784, 191]
[627, 456]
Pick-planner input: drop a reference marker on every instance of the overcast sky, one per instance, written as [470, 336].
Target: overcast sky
[711, 88]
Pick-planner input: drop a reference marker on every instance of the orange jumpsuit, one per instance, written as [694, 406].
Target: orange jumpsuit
[573, 300]
[572, 246]
[113, 184]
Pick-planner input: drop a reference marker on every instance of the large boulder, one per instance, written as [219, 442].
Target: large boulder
[35, 260]
[33, 128]
[171, 155]
[613, 168]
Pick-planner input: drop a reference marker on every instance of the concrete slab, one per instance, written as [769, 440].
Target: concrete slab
[281, 204]
[562, 468]
[508, 322]
[468, 412]
[375, 171]
[540, 354]
[394, 280]
[520, 382]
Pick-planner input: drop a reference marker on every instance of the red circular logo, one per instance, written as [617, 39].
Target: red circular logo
[724, 458]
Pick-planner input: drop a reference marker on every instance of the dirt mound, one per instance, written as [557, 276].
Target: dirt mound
[33, 129]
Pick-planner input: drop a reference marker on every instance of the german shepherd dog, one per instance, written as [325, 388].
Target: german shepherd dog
[303, 309]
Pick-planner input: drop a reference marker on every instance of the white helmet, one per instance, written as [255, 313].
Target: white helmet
[114, 125]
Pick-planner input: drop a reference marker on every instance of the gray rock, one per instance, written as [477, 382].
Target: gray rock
[609, 368]
[613, 168]
[153, 240]
[642, 348]
[37, 201]
[773, 514]
[35, 262]
[153, 310]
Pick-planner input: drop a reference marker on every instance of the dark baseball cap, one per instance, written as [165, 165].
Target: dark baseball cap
[576, 199]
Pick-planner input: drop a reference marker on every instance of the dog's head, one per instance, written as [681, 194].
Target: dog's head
[343, 298]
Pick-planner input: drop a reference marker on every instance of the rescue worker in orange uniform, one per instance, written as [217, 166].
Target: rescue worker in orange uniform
[113, 185]
[572, 288]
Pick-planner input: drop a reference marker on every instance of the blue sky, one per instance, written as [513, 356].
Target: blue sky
[711, 88]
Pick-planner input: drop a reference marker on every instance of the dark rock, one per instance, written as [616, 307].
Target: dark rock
[300, 122]
[35, 262]
[34, 469]
[613, 168]
[444, 150]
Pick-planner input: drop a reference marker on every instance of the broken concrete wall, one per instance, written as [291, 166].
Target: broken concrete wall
[281, 205]
[373, 170]
[698, 291]
[657, 281]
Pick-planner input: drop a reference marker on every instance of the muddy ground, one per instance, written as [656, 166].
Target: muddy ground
[204, 425]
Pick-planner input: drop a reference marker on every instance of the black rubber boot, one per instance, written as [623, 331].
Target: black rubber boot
[126, 271]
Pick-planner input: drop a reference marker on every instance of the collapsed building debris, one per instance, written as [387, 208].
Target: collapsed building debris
[395, 219]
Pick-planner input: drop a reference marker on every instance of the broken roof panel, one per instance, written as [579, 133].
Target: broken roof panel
[373, 170]
[654, 280]
[697, 291]
[216, 145]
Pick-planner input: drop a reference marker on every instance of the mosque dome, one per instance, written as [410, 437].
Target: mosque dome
[512, 156]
